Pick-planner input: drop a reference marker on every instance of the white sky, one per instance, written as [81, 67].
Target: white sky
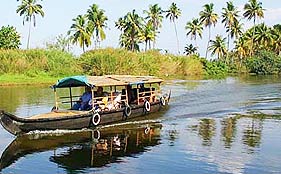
[59, 15]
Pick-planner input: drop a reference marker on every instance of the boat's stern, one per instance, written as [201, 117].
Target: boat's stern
[8, 122]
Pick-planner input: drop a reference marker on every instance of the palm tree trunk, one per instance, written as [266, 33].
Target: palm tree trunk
[177, 37]
[252, 49]
[145, 45]
[208, 42]
[28, 39]
[228, 40]
[154, 41]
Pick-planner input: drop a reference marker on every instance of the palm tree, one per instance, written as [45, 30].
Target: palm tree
[174, 13]
[253, 9]
[29, 8]
[80, 32]
[218, 46]
[148, 34]
[97, 23]
[235, 30]
[241, 48]
[130, 25]
[194, 28]
[264, 36]
[277, 37]
[154, 16]
[189, 49]
[229, 18]
[209, 18]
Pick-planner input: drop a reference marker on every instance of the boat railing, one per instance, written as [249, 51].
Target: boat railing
[109, 102]
[150, 96]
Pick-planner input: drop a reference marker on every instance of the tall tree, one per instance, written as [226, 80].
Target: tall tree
[155, 17]
[229, 18]
[218, 46]
[277, 38]
[96, 23]
[241, 48]
[29, 9]
[9, 38]
[131, 26]
[174, 13]
[253, 10]
[189, 49]
[148, 34]
[235, 30]
[80, 32]
[264, 36]
[209, 18]
[194, 28]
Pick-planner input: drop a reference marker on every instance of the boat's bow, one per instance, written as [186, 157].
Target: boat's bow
[8, 121]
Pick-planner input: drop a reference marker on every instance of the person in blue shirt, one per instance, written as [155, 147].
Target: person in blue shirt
[84, 102]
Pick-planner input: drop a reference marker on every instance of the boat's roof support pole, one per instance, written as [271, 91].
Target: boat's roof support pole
[93, 96]
[151, 93]
[56, 99]
[70, 95]
[127, 101]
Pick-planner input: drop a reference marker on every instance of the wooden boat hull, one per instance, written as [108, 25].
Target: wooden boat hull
[17, 126]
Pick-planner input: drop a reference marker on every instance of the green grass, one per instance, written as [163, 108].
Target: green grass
[17, 79]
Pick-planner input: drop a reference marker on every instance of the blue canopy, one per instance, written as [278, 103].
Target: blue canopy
[73, 81]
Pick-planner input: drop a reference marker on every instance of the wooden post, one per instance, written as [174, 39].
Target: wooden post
[127, 100]
[70, 94]
[93, 96]
[111, 94]
[160, 92]
[150, 93]
[56, 98]
[138, 91]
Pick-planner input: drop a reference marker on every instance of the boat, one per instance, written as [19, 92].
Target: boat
[126, 97]
[97, 147]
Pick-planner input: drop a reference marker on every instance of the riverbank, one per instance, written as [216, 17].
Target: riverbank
[40, 66]
[45, 66]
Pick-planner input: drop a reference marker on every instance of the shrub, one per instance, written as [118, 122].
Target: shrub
[264, 62]
[215, 68]
[9, 38]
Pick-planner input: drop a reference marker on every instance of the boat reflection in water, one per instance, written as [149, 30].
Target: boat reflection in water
[85, 149]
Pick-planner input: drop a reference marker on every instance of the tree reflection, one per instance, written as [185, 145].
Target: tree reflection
[252, 133]
[228, 130]
[207, 131]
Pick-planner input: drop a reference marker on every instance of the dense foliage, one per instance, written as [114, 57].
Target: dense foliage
[120, 61]
[264, 62]
[38, 62]
[9, 38]
[215, 68]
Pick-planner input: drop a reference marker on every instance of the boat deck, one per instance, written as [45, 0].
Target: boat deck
[58, 114]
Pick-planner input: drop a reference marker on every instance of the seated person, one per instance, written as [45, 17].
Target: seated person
[115, 103]
[102, 98]
[84, 101]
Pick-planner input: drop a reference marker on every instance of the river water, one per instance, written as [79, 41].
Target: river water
[231, 125]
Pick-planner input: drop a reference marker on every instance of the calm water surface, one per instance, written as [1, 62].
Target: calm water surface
[212, 126]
